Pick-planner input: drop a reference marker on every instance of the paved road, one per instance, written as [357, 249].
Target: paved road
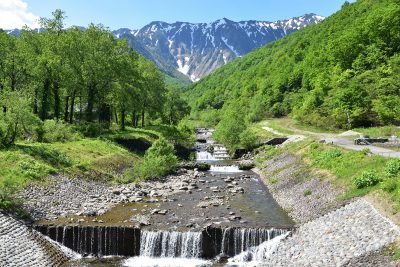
[339, 140]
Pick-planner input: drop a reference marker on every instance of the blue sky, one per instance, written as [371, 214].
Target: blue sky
[137, 13]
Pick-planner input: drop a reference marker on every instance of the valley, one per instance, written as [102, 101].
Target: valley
[237, 142]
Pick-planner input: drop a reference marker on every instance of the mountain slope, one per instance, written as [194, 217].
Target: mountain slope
[196, 50]
[342, 72]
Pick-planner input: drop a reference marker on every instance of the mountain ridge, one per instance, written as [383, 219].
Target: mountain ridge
[190, 51]
[197, 49]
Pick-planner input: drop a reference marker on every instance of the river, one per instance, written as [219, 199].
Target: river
[224, 216]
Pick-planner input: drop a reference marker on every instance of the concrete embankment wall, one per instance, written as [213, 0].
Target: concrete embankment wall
[331, 231]
[22, 246]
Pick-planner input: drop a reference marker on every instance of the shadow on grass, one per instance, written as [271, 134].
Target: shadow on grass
[49, 155]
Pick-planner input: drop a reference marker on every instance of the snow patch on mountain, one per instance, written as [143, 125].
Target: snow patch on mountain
[197, 49]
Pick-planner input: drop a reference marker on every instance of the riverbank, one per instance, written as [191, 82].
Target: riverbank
[22, 246]
[332, 230]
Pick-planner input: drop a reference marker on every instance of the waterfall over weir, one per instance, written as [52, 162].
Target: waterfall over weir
[130, 242]
[238, 240]
[171, 244]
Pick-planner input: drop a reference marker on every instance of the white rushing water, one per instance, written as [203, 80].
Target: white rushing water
[225, 169]
[256, 255]
[238, 240]
[170, 244]
[205, 156]
[165, 262]
[169, 249]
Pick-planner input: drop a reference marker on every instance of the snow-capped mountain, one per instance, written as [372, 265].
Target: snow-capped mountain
[196, 50]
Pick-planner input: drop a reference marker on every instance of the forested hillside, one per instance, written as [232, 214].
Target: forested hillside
[343, 72]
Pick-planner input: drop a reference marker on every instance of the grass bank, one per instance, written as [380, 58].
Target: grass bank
[105, 158]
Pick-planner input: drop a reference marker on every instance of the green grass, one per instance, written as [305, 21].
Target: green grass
[134, 133]
[385, 131]
[277, 125]
[25, 162]
[288, 125]
[260, 132]
[307, 192]
[344, 166]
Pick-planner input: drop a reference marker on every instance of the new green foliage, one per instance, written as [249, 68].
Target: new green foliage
[158, 161]
[341, 73]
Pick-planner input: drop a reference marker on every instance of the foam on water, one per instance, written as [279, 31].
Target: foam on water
[204, 155]
[225, 169]
[165, 262]
[255, 255]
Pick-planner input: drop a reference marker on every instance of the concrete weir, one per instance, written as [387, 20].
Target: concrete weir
[130, 242]
[95, 240]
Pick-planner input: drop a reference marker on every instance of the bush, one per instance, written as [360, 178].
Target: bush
[327, 156]
[53, 131]
[248, 139]
[307, 192]
[203, 167]
[7, 200]
[390, 185]
[367, 179]
[393, 168]
[92, 129]
[229, 129]
[9, 203]
[18, 121]
[246, 165]
[159, 160]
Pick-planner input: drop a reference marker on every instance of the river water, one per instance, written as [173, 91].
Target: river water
[250, 221]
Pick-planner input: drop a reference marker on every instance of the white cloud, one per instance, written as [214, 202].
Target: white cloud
[15, 14]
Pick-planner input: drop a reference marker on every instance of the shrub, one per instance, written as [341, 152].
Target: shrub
[307, 192]
[246, 165]
[92, 129]
[393, 167]
[53, 131]
[203, 167]
[9, 203]
[17, 121]
[248, 139]
[7, 200]
[273, 180]
[390, 185]
[327, 156]
[159, 160]
[367, 179]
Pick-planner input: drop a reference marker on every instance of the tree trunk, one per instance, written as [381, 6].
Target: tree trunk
[348, 120]
[90, 104]
[123, 119]
[71, 110]
[57, 101]
[143, 118]
[66, 109]
[116, 117]
[45, 100]
[35, 104]
[13, 77]
[134, 119]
